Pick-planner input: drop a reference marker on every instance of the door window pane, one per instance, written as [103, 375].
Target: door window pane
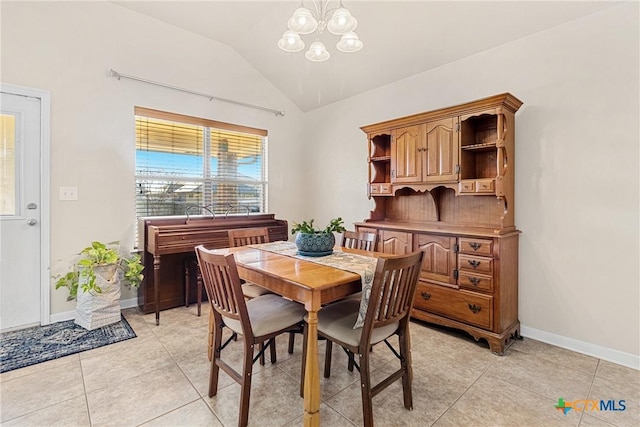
[8, 165]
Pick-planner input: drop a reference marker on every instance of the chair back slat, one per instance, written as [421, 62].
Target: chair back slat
[222, 284]
[359, 240]
[392, 291]
[248, 236]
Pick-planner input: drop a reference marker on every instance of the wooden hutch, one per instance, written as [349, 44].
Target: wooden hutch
[443, 183]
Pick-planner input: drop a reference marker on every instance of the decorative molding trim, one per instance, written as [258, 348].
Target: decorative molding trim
[68, 315]
[590, 349]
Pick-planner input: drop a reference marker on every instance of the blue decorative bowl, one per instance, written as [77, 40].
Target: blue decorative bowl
[309, 244]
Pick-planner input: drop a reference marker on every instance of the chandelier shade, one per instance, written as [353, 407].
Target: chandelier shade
[318, 18]
[342, 22]
[291, 42]
[317, 52]
[302, 21]
[349, 42]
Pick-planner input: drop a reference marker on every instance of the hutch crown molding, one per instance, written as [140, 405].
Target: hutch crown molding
[443, 182]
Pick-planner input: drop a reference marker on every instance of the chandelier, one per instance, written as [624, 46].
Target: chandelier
[337, 20]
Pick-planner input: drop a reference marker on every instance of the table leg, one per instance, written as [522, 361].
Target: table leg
[312, 374]
[156, 278]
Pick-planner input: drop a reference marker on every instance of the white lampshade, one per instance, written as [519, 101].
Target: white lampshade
[317, 52]
[349, 42]
[341, 22]
[302, 21]
[291, 42]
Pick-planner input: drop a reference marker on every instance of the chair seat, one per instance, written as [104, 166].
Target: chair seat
[251, 290]
[268, 314]
[337, 320]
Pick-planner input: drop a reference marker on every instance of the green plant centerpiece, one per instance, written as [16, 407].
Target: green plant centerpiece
[316, 242]
[94, 282]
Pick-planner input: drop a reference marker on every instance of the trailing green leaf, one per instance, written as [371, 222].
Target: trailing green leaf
[335, 225]
[96, 255]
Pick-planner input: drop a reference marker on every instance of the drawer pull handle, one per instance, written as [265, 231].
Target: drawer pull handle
[475, 308]
[474, 263]
[425, 295]
[475, 245]
[474, 281]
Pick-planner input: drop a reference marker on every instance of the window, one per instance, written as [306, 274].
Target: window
[9, 165]
[184, 163]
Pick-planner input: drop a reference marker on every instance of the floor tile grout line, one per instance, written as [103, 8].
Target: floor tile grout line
[84, 388]
[549, 362]
[38, 367]
[460, 397]
[200, 397]
[593, 380]
[173, 410]
[51, 405]
[538, 356]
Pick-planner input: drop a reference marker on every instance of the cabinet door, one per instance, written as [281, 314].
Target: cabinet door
[394, 242]
[441, 151]
[439, 261]
[406, 148]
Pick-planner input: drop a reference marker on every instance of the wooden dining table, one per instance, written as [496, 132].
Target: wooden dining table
[306, 282]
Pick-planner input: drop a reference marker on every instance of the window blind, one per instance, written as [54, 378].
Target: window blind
[185, 162]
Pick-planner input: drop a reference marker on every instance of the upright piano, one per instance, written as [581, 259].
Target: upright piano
[168, 241]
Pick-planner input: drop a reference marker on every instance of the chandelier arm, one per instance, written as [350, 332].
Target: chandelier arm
[317, 11]
[322, 11]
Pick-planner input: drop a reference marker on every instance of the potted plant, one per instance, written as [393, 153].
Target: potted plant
[94, 282]
[316, 242]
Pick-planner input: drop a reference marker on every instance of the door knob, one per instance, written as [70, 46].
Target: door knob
[32, 222]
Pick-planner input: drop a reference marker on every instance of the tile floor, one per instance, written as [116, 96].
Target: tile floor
[160, 378]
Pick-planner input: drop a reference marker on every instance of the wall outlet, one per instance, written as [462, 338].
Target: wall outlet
[68, 193]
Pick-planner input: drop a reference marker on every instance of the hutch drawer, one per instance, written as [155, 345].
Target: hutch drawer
[474, 246]
[468, 307]
[475, 264]
[382, 188]
[475, 281]
[477, 186]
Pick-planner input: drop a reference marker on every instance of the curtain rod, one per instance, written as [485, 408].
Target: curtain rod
[114, 73]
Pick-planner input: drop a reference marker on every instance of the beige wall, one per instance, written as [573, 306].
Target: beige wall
[68, 48]
[577, 176]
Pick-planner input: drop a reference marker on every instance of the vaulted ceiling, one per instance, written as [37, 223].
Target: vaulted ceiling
[401, 38]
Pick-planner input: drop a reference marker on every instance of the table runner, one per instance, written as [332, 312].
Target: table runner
[362, 265]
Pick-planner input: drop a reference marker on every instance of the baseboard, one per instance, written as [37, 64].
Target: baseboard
[594, 350]
[69, 315]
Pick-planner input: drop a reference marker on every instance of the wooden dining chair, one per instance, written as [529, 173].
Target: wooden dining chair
[243, 237]
[359, 240]
[237, 237]
[354, 240]
[257, 320]
[387, 314]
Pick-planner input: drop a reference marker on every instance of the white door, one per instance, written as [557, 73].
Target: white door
[20, 211]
